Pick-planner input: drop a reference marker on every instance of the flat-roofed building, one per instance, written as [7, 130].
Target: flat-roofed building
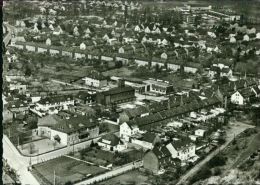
[158, 86]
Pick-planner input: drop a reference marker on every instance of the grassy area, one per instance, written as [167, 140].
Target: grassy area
[66, 169]
[132, 177]
[225, 167]
[252, 146]
[120, 72]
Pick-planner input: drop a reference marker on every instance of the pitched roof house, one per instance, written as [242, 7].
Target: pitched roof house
[112, 143]
[157, 159]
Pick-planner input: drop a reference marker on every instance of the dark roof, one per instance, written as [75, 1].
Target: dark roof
[132, 113]
[48, 120]
[114, 140]
[96, 75]
[83, 95]
[74, 124]
[225, 70]
[181, 143]
[257, 89]
[55, 99]
[164, 156]
[247, 92]
[214, 68]
[118, 90]
[161, 152]
[149, 137]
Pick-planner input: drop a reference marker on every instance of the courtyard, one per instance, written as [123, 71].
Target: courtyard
[39, 146]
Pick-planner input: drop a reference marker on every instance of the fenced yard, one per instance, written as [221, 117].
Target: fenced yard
[131, 177]
[39, 146]
[65, 169]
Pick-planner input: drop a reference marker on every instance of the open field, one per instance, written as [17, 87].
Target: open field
[132, 177]
[66, 169]
[121, 72]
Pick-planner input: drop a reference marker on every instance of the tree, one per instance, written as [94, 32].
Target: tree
[118, 64]
[31, 148]
[68, 183]
[157, 68]
[217, 161]
[31, 121]
[103, 128]
[28, 70]
[92, 144]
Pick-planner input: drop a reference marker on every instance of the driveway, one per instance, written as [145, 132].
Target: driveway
[236, 129]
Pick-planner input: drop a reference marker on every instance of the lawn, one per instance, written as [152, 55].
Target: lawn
[66, 169]
[252, 146]
[132, 177]
[120, 72]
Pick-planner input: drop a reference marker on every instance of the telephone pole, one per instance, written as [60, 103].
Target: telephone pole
[54, 178]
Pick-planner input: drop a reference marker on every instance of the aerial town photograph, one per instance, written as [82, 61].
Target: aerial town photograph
[131, 92]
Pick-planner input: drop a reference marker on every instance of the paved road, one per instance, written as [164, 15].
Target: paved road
[18, 162]
[236, 128]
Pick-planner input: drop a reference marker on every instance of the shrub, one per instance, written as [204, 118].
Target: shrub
[217, 171]
[217, 161]
[202, 174]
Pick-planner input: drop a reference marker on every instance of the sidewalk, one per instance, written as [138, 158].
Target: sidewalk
[18, 162]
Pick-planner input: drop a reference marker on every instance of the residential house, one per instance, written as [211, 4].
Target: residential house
[244, 96]
[192, 67]
[127, 130]
[200, 132]
[157, 159]
[56, 102]
[182, 149]
[70, 131]
[221, 70]
[86, 97]
[148, 140]
[18, 107]
[130, 114]
[21, 87]
[95, 79]
[112, 143]
[7, 115]
[48, 42]
[57, 31]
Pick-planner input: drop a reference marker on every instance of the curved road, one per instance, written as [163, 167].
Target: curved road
[18, 162]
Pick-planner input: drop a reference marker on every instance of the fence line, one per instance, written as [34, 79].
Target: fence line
[113, 173]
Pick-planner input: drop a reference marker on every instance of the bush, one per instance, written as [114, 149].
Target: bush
[202, 174]
[217, 161]
[68, 183]
[217, 171]
[221, 141]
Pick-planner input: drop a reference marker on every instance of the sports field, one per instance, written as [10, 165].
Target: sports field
[66, 169]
